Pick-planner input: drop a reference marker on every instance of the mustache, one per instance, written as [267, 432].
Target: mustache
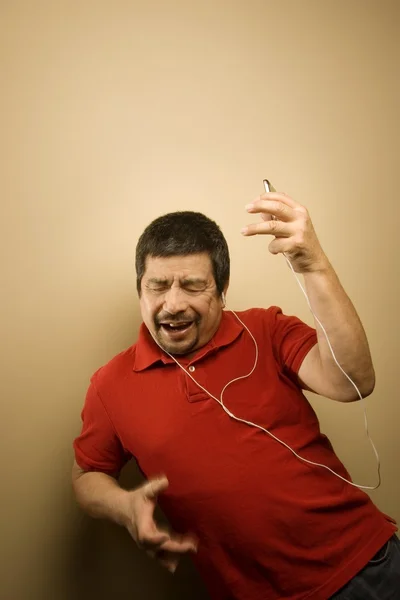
[180, 317]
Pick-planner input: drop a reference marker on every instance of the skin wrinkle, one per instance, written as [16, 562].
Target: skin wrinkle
[180, 289]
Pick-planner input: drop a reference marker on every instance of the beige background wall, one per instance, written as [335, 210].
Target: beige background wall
[115, 112]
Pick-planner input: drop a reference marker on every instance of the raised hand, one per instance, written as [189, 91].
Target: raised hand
[293, 231]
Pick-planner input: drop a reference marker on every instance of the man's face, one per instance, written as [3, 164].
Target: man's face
[179, 301]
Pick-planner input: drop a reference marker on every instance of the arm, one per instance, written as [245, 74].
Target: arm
[101, 496]
[319, 372]
[294, 235]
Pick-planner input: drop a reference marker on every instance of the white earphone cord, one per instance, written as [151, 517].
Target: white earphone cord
[230, 414]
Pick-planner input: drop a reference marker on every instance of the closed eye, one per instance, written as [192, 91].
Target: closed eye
[194, 285]
[155, 285]
[194, 290]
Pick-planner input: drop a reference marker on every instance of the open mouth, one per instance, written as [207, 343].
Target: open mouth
[176, 328]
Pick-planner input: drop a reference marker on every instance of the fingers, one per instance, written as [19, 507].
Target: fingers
[278, 246]
[149, 536]
[156, 541]
[170, 562]
[280, 197]
[173, 545]
[145, 530]
[179, 544]
[272, 208]
[277, 228]
[167, 559]
[170, 552]
[154, 487]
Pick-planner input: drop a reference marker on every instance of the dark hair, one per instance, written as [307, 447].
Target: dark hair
[180, 234]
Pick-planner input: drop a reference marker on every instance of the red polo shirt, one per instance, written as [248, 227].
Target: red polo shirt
[269, 525]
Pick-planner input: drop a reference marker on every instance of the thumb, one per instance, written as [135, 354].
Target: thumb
[154, 487]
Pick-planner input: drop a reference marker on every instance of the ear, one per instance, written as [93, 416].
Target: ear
[223, 295]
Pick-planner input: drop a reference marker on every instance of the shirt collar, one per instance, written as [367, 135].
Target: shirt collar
[148, 353]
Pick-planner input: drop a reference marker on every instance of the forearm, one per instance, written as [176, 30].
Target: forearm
[101, 496]
[337, 314]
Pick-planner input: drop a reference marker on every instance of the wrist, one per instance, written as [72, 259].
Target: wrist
[319, 266]
[122, 507]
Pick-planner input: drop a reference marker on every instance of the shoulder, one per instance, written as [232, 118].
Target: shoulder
[116, 369]
[259, 317]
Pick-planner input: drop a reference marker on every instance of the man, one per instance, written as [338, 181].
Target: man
[259, 522]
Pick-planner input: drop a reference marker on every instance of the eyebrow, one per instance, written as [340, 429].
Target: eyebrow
[193, 281]
[184, 281]
[157, 280]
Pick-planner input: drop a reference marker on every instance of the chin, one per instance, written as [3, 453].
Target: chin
[178, 349]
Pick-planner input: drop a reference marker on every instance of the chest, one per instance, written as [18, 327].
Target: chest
[165, 415]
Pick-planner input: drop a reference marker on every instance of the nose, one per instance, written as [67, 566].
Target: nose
[175, 301]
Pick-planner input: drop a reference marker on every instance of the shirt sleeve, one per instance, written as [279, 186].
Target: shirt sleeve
[98, 447]
[292, 340]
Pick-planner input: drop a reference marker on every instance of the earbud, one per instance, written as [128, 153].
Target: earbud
[223, 298]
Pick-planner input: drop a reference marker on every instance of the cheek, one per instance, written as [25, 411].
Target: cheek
[209, 310]
[148, 308]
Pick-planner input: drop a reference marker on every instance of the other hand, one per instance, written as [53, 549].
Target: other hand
[159, 543]
[293, 231]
